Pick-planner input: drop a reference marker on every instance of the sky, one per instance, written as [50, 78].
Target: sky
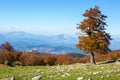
[52, 17]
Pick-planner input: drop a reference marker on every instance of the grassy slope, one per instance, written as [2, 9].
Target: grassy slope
[64, 72]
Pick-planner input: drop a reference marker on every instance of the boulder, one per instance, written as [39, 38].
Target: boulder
[36, 77]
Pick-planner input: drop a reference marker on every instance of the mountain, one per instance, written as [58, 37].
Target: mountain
[115, 42]
[2, 38]
[22, 41]
[53, 44]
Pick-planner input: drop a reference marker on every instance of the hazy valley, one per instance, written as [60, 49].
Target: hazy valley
[48, 44]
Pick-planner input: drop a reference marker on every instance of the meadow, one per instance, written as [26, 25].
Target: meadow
[78, 71]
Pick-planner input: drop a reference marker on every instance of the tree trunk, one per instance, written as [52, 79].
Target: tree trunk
[92, 59]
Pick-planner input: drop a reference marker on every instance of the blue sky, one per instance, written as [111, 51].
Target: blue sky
[52, 17]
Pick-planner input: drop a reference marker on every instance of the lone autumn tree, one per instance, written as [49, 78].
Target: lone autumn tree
[93, 38]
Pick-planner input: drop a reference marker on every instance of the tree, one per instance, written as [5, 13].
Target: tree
[7, 46]
[94, 38]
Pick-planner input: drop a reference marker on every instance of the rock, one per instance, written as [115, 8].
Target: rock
[63, 75]
[80, 78]
[37, 78]
[96, 73]
[12, 78]
[5, 79]
[102, 77]
[38, 71]
[108, 75]
[110, 61]
[67, 74]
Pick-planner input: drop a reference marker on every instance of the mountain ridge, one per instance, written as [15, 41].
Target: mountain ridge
[51, 44]
[61, 43]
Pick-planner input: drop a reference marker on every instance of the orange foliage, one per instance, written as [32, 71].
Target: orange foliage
[95, 38]
[8, 57]
[113, 55]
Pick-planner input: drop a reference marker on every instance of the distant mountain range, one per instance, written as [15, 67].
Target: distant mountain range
[52, 44]
[48, 44]
[115, 42]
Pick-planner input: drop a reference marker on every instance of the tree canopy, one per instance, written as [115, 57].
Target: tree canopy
[94, 38]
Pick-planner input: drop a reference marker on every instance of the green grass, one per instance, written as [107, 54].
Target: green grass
[64, 72]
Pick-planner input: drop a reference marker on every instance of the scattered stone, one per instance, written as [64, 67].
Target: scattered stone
[110, 61]
[65, 74]
[108, 75]
[102, 77]
[96, 73]
[118, 61]
[80, 78]
[5, 79]
[12, 78]
[38, 71]
[37, 78]
[102, 67]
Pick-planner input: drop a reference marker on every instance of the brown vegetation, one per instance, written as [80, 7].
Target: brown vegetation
[113, 55]
[12, 58]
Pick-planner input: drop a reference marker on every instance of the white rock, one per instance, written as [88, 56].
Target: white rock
[102, 67]
[12, 78]
[80, 78]
[96, 73]
[102, 77]
[38, 71]
[67, 74]
[108, 75]
[5, 79]
[36, 78]
[63, 75]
